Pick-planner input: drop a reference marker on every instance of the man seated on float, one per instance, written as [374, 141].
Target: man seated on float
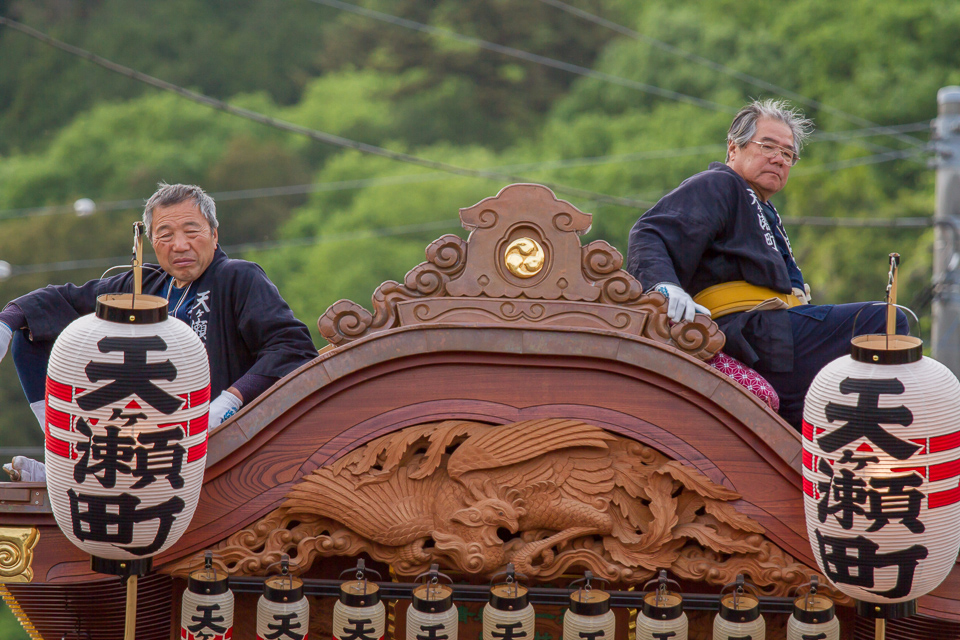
[251, 336]
[718, 238]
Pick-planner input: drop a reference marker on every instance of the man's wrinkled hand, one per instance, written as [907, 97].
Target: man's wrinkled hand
[224, 406]
[680, 306]
[6, 335]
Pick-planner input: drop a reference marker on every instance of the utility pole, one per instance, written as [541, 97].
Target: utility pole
[946, 248]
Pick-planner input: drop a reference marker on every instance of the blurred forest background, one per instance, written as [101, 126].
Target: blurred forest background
[620, 97]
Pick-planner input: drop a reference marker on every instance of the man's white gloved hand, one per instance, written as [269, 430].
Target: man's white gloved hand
[6, 335]
[223, 407]
[680, 306]
[23, 469]
[803, 295]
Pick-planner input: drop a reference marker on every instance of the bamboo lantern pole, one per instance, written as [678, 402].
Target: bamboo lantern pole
[130, 621]
[892, 294]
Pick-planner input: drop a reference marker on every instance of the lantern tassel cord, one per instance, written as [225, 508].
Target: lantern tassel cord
[130, 624]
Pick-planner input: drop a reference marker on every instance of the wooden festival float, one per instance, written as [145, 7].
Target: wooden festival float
[516, 399]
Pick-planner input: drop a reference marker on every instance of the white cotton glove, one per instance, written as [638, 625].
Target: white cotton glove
[6, 335]
[680, 306]
[223, 407]
[23, 469]
[803, 295]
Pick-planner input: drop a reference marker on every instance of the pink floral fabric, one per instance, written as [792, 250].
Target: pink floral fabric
[746, 378]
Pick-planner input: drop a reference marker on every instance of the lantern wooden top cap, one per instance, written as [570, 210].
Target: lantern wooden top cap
[283, 588]
[814, 609]
[739, 608]
[591, 602]
[886, 349]
[126, 308]
[432, 598]
[670, 606]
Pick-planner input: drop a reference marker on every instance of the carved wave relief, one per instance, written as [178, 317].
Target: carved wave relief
[552, 496]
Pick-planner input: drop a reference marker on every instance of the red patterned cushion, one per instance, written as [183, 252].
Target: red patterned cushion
[746, 378]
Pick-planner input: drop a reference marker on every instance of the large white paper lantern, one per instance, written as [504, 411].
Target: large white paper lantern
[126, 430]
[881, 473]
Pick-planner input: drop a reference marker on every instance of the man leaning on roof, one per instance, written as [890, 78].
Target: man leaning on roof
[716, 245]
[251, 336]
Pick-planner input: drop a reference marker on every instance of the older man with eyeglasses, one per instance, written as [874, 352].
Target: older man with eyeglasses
[716, 245]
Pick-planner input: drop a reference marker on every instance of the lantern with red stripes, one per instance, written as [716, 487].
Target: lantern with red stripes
[126, 428]
[881, 472]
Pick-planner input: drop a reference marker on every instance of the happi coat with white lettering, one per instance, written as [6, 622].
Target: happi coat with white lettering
[238, 314]
[708, 231]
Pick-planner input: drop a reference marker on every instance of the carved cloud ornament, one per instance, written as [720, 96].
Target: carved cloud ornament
[550, 496]
[523, 265]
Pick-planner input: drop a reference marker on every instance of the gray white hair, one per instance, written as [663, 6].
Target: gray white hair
[171, 194]
[744, 124]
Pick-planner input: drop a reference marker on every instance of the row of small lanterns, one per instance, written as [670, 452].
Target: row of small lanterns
[283, 610]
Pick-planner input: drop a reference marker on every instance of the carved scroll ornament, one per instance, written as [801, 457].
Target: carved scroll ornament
[16, 553]
[523, 264]
[550, 496]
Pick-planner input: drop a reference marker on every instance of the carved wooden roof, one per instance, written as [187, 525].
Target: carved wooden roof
[468, 340]
[556, 282]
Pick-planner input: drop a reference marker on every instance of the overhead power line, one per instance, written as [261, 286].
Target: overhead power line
[566, 163]
[319, 136]
[272, 245]
[721, 68]
[527, 56]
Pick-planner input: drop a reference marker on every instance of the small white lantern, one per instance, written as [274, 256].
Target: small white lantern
[814, 616]
[739, 615]
[207, 609]
[881, 473]
[508, 615]
[589, 616]
[359, 613]
[432, 614]
[283, 611]
[661, 615]
[126, 431]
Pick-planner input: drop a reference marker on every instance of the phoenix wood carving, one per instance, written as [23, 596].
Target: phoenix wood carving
[523, 265]
[550, 496]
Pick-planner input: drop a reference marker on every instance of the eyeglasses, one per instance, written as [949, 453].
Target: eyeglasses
[770, 150]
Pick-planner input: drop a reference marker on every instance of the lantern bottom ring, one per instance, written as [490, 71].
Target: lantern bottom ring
[122, 568]
[886, 610]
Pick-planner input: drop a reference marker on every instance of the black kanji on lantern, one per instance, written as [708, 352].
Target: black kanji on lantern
[109, 454]
[131, 418]
[132, 377]
[664, 635]
[592, 635]
[120, 513]
[206, 621]
[864, 420]
[359, 630]
[896, 503]
[285, 628]
[431, 632]
[810, 636]
[509, 631]
[857, 569]
[848, 491]
[164, 457]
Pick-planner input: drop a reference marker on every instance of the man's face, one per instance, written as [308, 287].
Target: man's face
[765, 175]
[183, 240]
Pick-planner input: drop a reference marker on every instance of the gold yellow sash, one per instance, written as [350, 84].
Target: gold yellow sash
[732, 297]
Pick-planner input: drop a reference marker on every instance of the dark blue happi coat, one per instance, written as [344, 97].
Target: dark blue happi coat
[710, 230]
[234, 309]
